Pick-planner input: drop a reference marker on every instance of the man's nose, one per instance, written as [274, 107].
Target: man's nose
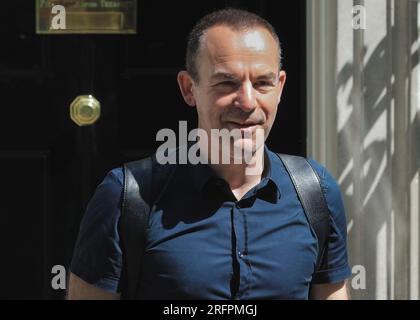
[247, 97]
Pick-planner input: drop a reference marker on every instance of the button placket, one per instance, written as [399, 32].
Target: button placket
[240, 252]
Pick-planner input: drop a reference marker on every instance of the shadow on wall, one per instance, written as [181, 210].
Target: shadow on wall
[366, 167]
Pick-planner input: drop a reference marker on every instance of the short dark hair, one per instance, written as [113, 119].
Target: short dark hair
[237, 19]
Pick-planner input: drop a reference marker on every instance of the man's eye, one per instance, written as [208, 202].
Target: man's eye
[264, 84]
[227, 83]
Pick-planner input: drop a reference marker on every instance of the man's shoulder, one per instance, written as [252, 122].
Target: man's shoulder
[328, 183]
[113, 180]
[109, 190]
[320, 170]
[115, 176]
[332, 193]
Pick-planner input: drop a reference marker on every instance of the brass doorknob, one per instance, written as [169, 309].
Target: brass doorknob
[85, 110]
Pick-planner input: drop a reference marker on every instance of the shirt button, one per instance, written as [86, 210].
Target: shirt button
[241, 255]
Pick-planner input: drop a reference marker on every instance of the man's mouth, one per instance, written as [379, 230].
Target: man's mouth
[247, 125]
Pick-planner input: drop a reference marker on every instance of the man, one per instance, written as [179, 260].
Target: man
[218, 232]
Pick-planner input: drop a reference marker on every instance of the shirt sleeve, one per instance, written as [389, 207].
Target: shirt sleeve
[335, 266]
[97, 256]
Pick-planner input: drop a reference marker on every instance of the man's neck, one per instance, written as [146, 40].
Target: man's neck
[241, 177]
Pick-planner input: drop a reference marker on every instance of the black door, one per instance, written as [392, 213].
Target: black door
[50, 166]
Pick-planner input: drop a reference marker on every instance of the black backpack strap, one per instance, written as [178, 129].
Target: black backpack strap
[309, 191]
[144, 183]
[133, 221]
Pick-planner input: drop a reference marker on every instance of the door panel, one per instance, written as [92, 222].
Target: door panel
[25, 222]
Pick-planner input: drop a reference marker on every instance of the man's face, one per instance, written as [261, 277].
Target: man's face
[239, 83]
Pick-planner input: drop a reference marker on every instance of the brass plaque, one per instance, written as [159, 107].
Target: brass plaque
[86, 16]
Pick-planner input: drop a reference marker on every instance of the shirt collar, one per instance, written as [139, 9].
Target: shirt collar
[268, 189]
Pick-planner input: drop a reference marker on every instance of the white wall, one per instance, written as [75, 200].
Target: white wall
[364, 125]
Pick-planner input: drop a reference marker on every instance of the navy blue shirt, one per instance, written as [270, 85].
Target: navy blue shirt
[203, 243]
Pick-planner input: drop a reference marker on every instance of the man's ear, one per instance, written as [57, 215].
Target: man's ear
[282, 81]
[185, 83]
